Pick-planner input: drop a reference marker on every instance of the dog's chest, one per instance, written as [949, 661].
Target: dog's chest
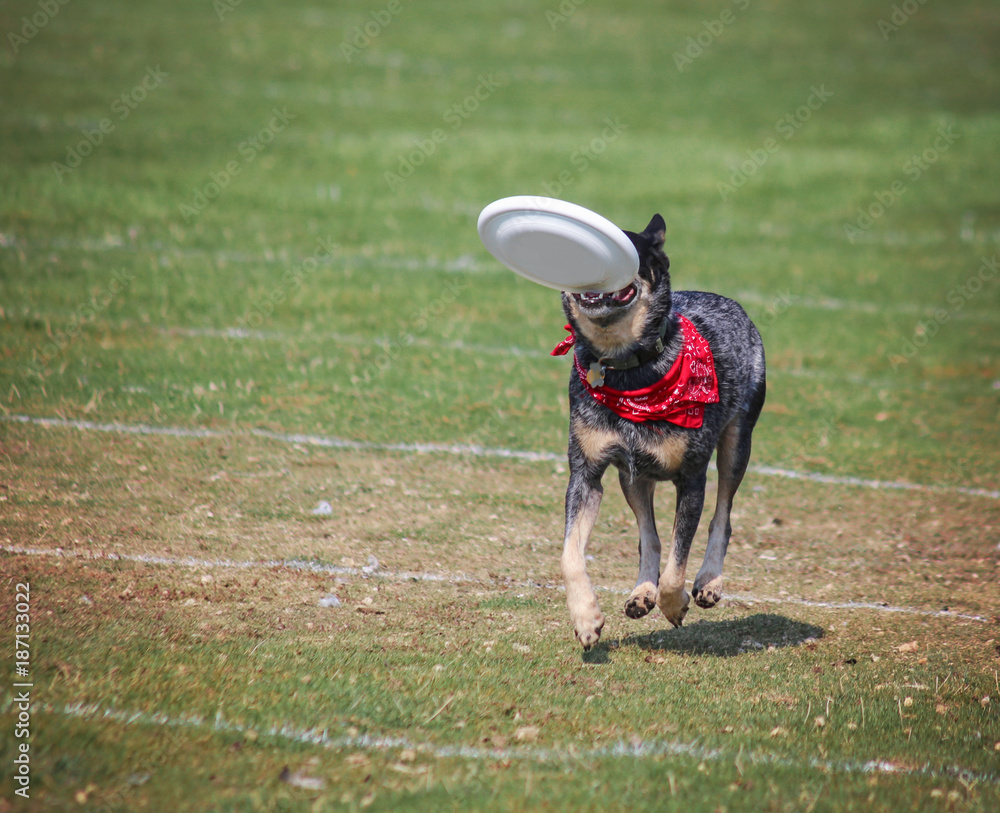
[651, 451]
[658, 454]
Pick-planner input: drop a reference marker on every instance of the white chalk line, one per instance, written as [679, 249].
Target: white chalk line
[458, 345]
[830, 303]
[468, 449]
[248, 334]
[842, 480]
[633, 749]
[193, 563]
[282, 257]
[389, 345]
[466, 263]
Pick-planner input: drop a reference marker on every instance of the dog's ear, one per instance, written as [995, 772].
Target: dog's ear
[656, 231]
[651, 238]
[649, 244]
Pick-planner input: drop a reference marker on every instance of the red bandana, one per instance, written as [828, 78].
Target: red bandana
[679, 397]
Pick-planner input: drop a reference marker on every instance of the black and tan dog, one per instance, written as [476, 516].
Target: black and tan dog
[661, 379]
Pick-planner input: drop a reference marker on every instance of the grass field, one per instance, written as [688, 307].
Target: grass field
[239, 276]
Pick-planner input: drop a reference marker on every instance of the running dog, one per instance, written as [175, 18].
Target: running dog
[660, 379]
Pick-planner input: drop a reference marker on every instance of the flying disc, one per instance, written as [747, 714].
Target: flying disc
[558, 244]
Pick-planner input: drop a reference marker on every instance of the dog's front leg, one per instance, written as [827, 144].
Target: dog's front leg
[671, 597]
[583, 500]
[639, 494]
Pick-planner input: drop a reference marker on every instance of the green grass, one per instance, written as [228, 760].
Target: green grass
[370, 311]
[746, 700]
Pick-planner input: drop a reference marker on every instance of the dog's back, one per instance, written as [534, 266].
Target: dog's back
[736, 347]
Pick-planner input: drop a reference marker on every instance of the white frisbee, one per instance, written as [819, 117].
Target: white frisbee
[558, 244]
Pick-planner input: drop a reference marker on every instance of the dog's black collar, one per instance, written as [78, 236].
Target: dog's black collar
[641, 356]
[595, 376]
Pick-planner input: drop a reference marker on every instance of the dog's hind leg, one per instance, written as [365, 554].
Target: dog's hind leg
[733, 457]
[671, 597]
[583, 500]
[639, 494]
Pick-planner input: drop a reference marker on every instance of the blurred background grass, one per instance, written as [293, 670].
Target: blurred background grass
[312, 295]
[408, 330]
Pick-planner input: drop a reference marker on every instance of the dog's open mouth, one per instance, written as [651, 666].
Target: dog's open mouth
[614, 299]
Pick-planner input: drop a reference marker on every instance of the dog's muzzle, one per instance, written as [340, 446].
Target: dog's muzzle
[614, 299]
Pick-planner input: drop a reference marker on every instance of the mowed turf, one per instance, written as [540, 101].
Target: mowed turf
[228, 230]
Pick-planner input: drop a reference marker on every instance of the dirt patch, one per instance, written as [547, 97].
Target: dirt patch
[487, 520]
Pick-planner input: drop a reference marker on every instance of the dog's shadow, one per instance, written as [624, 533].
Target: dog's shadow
[721, 639]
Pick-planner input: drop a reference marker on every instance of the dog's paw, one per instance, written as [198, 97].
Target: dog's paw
[642, 600]
[587, 625]
[708, 594]
[674, 605]
[591, 634]
[584, 612]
